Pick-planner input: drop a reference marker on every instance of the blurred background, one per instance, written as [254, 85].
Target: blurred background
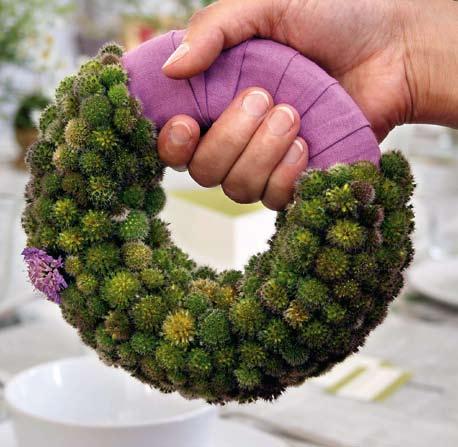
[41, 41]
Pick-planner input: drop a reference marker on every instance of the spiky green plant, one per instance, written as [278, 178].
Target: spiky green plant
[333, 265]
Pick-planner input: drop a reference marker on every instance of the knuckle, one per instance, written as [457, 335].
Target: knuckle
[197, 16]
[265, 153]
[224, 134]
[278, 193]
[202, 176]
[238, 194]
[271, 205]
[276, 186]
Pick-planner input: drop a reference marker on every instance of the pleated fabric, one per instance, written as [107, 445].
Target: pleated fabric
[332, 124]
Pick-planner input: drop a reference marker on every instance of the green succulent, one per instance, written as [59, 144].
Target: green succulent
[92, 163]
[111, 48]
[96, 225]
[275, 335]
[86, 283]
[179, 328]
[347, 234]
[312, 293]
[118, 94]
[65, 158]
[247, 316]
[332, 263]
[152, 278]
[113, 74]
[170, 357]
[73, 265]
[199, 363]
[137, 255]
[65, 87]
[39, 157]
[274, 296]
[102, 191]
[48, 115]
[133, 196]
[149, 313]
[51, 184]
[248, 378]
[65, 212]
[296, 314]
[43, 209]
[124, 120]
[103, 140]
[214, 329]
[102, 258]
[154, 200]
[120, 290]
[135, 226]
[76, 133]
[88, 85]
[96, 110]
[70, 240]
[68, 105]
[128, 358]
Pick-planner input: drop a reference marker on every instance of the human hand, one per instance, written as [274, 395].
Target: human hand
[252, 150]
[370, 46]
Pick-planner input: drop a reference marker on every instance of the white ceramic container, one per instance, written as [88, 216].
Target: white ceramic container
[81, 402]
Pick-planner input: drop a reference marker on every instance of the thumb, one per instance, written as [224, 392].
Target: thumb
[212, 29]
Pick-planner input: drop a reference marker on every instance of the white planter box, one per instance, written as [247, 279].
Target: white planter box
[215, 231]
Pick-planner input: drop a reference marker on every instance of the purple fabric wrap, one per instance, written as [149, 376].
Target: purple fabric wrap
[331, 123]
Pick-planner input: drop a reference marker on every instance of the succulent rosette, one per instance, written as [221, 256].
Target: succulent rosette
[97, 246]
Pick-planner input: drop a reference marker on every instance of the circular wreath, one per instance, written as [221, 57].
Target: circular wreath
[96, 246]
[33, 102]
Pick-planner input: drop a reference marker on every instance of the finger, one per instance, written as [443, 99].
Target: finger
[177, 141]
[222, 145]
[280, 187]
[222, 25]
[248, 178]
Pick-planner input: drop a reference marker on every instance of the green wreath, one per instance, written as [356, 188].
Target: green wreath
[96, 245]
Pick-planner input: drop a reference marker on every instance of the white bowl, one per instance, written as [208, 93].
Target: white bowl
[81, 402]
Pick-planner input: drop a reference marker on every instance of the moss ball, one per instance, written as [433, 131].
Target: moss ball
[137, 255]
[76, 133]
[135, 226]
[96, 110]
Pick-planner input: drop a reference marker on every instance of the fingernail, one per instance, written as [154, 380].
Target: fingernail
[180, 168]
[294, 153]
[281, 121]
[179, 53]
[180, 134]
[256, 103]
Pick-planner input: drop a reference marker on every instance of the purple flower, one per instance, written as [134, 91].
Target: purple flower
[44, 272]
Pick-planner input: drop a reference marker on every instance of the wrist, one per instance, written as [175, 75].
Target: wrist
[431, 61]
